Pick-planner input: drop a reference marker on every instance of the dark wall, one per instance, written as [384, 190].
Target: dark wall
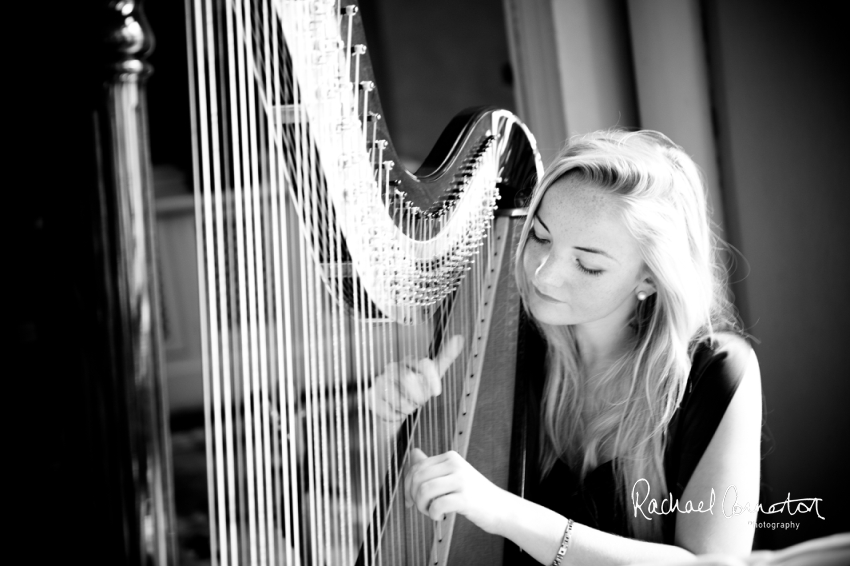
[433, 59]
[781, 91]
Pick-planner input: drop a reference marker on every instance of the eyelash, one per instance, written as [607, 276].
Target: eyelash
[536, 238]
[583, 269]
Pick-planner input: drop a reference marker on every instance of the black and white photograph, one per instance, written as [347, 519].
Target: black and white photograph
[429, 282]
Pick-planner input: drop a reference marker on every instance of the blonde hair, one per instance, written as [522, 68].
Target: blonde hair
[663, 204]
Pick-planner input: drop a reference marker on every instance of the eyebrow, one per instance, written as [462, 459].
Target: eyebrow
[596, 251]
[582, 248]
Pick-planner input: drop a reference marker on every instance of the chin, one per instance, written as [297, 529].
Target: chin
[548, 313]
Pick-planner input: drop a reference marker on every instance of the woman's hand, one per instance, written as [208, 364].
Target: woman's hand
[407, 385]
[449, 484]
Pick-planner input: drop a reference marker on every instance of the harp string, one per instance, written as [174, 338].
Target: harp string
[342, 409]
[203, 228]
[245, 305]
[200, 249]
[218, 280]
[267, 172]
[282, 496]
[281, 499]
[317, 510]
[410, 351]
[361, 352]
[260, 381]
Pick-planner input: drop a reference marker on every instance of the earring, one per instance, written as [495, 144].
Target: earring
[641, 296]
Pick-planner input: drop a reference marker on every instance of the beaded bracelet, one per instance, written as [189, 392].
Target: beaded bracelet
[565, 543]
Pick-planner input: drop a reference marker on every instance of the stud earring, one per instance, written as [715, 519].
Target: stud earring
[641, 296]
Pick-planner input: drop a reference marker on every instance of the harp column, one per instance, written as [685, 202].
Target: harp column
[131, 422]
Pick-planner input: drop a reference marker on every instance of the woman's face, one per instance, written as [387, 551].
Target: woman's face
[581, 263]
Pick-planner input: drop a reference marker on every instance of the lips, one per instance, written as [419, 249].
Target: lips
[545, 297]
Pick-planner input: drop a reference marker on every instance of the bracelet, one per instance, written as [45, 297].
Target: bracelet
[565, 543]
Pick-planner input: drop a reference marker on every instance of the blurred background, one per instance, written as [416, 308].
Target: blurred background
[753, 89]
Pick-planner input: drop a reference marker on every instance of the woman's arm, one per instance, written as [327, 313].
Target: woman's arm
[446, 483]
[539, 531]
[730, 467]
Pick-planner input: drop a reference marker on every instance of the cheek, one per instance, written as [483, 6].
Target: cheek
[531, 259]
[595, 296]
[603, 296]
[589, 296]
[590, 299]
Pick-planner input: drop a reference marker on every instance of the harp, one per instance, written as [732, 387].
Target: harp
[322, 260]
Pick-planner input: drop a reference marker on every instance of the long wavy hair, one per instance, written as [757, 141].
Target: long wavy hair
[662, 199]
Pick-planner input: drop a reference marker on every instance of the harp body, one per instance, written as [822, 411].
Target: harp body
[321, 261]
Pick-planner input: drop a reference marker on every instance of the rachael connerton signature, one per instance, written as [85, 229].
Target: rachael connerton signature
[729, 504]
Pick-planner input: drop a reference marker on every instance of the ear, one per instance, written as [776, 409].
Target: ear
[647, 285]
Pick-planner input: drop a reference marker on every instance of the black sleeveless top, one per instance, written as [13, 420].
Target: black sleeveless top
[715, 375]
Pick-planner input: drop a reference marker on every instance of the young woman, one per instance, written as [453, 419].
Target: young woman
[650, 393]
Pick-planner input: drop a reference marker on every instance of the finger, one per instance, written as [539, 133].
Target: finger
[432, 370]
[416, 456]
[424, 471]
[416, 461]
[433, 489]
[442, 506]
[400, 398]
[426, 475]
[450, 351]
[384, 401]
[390, 409]
[414, 387]
[431, 378]
[375, 402]
[378, 397]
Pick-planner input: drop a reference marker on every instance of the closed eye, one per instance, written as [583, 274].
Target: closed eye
[533, 235]
[587, 270]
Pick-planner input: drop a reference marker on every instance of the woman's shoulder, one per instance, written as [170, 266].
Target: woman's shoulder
[732, 342]
[719, 366]
[723, 356]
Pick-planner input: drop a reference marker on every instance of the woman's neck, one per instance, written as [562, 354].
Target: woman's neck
[601, 343]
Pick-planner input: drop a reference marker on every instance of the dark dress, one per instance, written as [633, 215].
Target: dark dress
[715, 375]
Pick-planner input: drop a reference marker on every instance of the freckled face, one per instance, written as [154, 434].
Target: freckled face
[581, 263]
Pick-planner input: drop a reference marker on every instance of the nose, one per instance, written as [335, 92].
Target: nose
[549, 273]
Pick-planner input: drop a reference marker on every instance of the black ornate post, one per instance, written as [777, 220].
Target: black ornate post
[135, 423]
